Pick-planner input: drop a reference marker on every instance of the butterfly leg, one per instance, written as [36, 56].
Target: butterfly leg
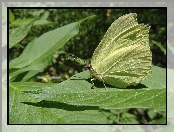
[104, 83]
[92, 80]
[101, 75]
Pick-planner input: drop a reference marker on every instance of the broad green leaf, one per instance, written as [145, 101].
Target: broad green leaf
[17, 34]
[29, 75]
[26, 110]
[156, 79]
[77, 93]
[38, 53]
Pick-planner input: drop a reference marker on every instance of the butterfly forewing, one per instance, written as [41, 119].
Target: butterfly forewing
[123, 56]
[118, 27]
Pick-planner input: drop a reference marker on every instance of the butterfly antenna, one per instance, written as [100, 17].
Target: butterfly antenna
[73, 57]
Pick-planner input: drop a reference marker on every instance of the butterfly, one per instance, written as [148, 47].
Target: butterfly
[123, 57]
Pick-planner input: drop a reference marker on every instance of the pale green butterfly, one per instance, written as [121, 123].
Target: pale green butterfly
[123, 56]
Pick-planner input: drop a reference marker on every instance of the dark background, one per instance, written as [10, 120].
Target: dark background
[90, 34]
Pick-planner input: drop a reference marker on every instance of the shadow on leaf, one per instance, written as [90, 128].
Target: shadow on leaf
[60, 105]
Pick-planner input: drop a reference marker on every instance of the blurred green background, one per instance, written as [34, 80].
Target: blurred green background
[90, 34]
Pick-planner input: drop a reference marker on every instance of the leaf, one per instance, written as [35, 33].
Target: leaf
[42, 21]
[160, 46]
[26, 110]
[21, 22]
[156, 79]
[38, 53]
[73, 101]
[17, 34]
[11, 16]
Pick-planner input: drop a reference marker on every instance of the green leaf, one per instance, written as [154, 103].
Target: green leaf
[26, 110]
[156, 79]
[67, 100]
[11, 16]
[17, 34]
[42, 21]
[38, 53]
[160, 46]
[160, 121]
[21, 22]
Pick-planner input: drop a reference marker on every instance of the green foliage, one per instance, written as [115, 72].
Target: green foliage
[72, 101]
[75, 97]
[17, 34]
[37, 54]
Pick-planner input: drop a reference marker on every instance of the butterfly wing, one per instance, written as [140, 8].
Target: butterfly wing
[123, 56]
